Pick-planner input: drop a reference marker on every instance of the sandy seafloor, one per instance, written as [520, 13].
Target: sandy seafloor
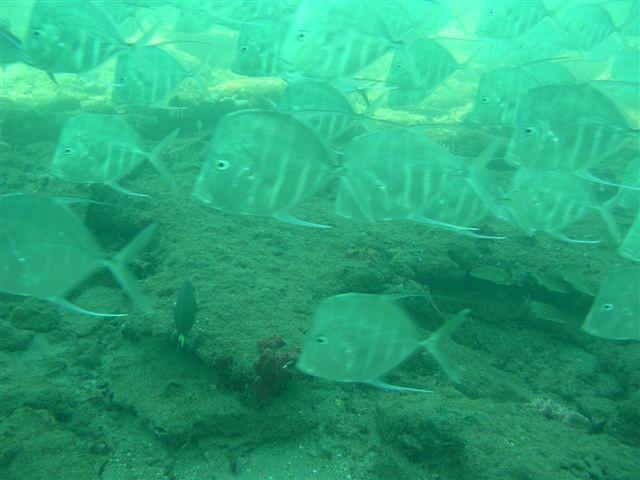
[86, 398]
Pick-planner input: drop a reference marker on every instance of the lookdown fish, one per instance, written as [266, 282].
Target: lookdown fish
[321, 106]
[615, 312]
[72, 37]
[417, 70]
[550, 201]
[104, 149]
[567, 128]
[148, 76]
[585, 26]
[358, 337]
[508, 18]
[630, 246]
[397, 174]
[335, 39]
[47, 252]
[258, 48]
[264, 163]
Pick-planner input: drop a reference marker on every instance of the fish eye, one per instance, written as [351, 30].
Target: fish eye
[490, 12]
[399, 66]
[529, 130]
[320, 340]
[37, 34]
[222, 164]
[302, 36]
[244, 48]
[68, 151]
[484, 99]
[607, 306]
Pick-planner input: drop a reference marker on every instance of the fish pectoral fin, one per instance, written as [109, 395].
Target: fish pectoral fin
[396, 388]
[119, 188]
[67, 305]
[288, 218]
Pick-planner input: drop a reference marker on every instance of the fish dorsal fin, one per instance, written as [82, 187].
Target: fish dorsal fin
[396, 388]
[119, 188]
[67, 305]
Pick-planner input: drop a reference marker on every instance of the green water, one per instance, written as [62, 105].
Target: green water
[117, 398]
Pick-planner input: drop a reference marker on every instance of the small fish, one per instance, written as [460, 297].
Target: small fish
[335, 39]
[508, 18]
[185, 312]
[575, 275]
[552, 282]
[547, 312]
[47, 252]
[10, 48]
[550, 201]
[358, 337]
[323, 107]
[493, 274]
[258, 48]
[417, 70]
[567, 127]
[630, 246]
[264, 163]
[585, 26]
[615, 313]
[499, 92]
[71, 37]
[388, 174]
[104, 149]
[148, 76]
[396, 174]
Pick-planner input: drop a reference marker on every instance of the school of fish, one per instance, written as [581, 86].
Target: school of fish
[556, 104]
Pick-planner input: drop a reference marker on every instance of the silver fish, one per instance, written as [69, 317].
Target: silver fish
[615, 312]
[550, 201]
[264, 163]
[417, 70]
[567, 127]
[359, 338]
[498, 94]
[508, 18]
[322, 106]
[585, 26]
[258, 48]
[147, 76]
[104, 149]
[335, 39]
[397, 174]
[630, 246]
[71, 37]
[47, 252]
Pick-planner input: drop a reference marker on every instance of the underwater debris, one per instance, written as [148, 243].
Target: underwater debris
[554, 411]
[272, 367]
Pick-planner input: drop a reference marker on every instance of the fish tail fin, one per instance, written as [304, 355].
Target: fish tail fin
[156, 160]
[118, 266]
[432, 344]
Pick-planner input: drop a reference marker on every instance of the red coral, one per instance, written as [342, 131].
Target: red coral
[273, 367]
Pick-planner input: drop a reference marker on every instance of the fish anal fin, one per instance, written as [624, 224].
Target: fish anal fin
[396, 388]
[67, 305]
[288, 218]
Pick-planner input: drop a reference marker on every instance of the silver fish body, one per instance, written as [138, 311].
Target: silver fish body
[359, 337]
[615, 313]
[103, 149]
[263, 163]
[147, 76]
[70, 37]
[47, 251]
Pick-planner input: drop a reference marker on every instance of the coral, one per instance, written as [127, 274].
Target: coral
[273, 367]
